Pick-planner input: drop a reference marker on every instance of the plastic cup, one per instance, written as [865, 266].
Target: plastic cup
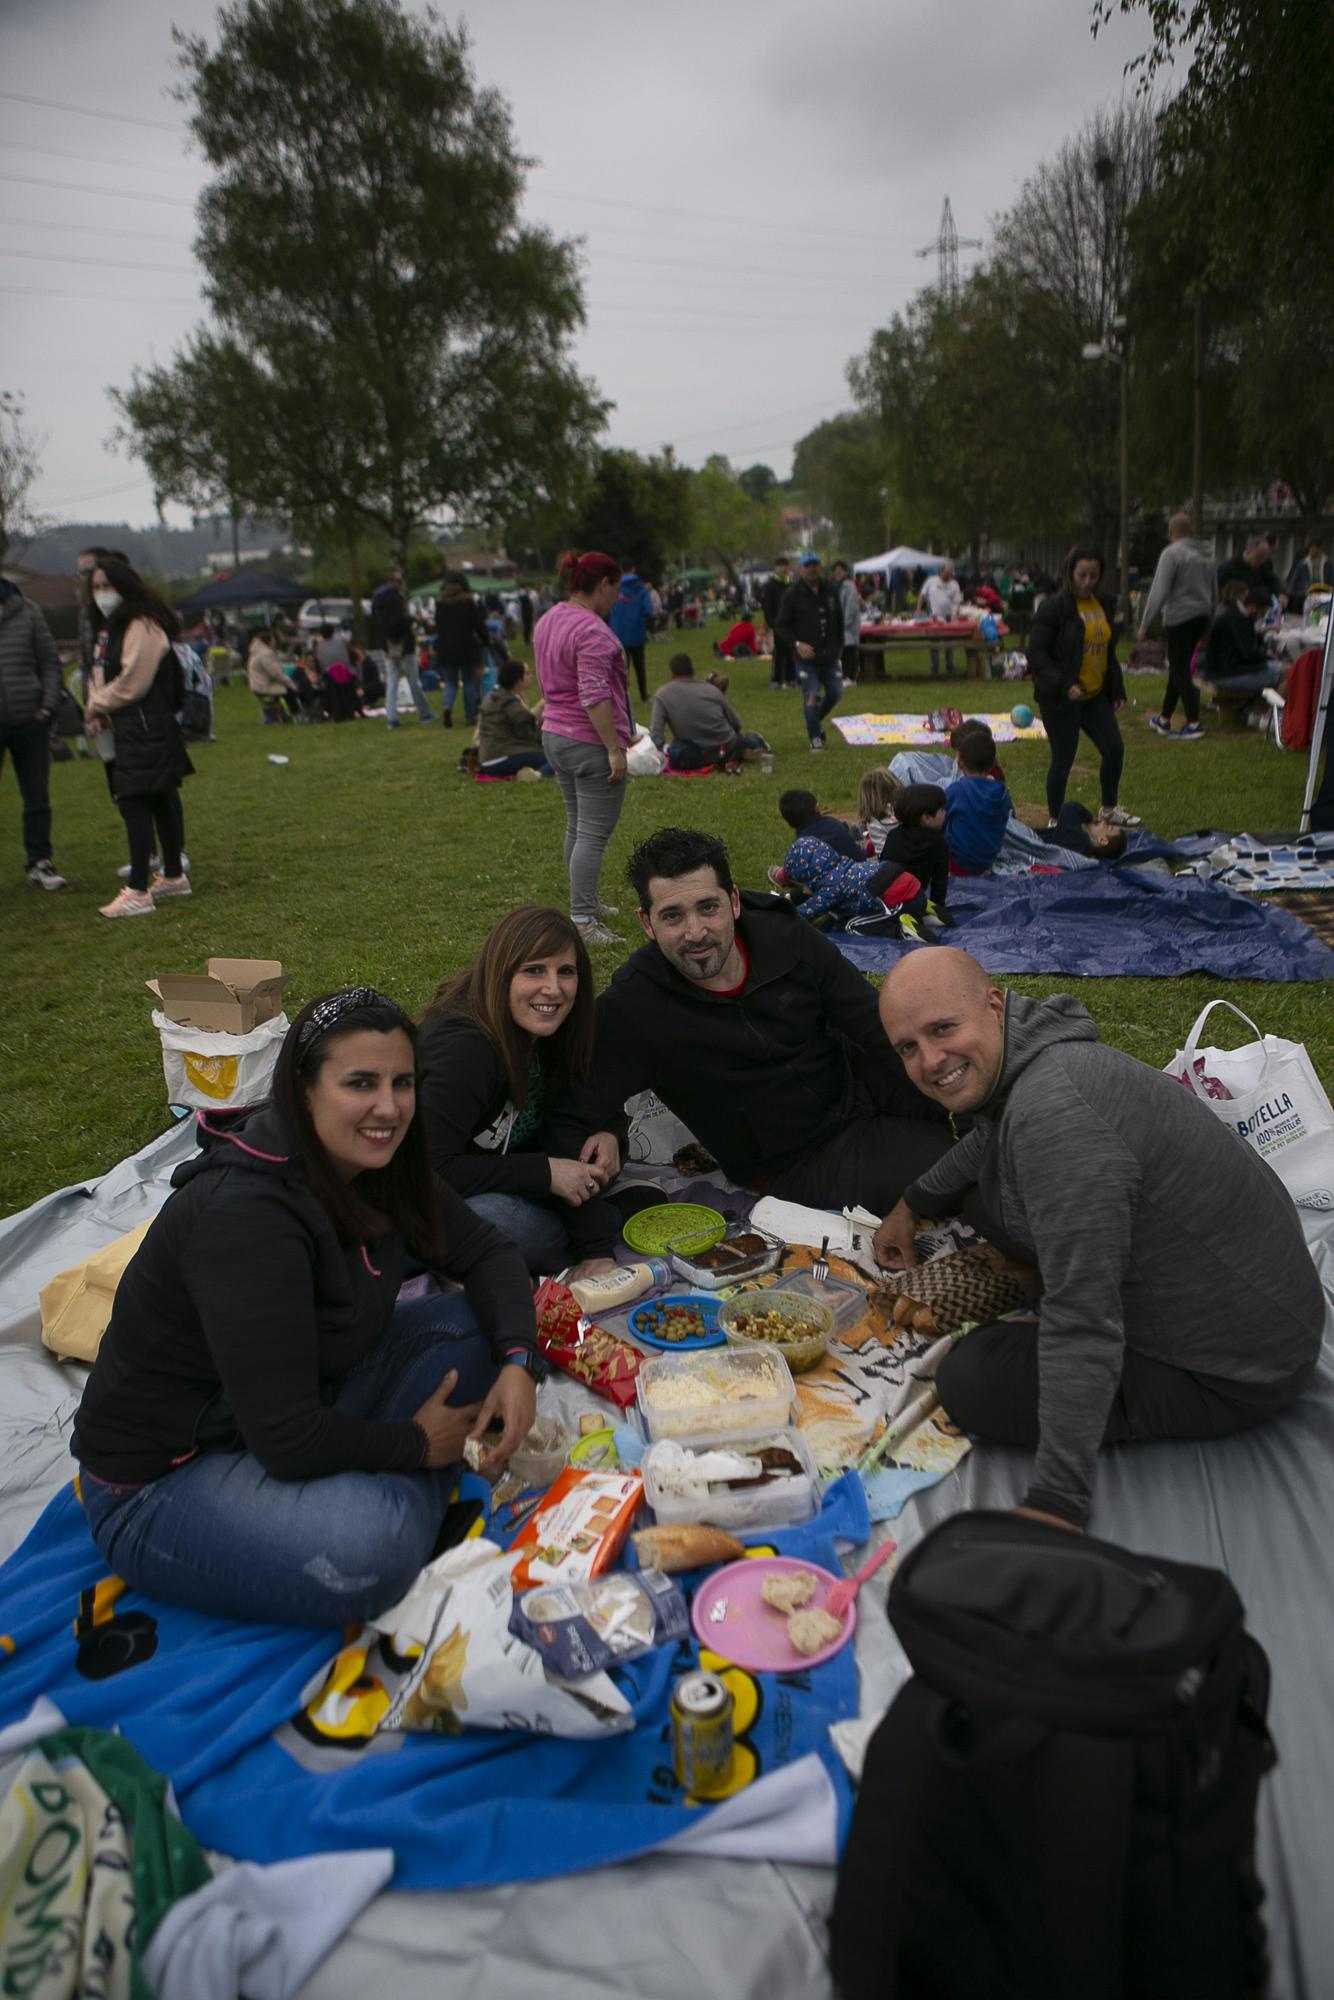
[767, 764]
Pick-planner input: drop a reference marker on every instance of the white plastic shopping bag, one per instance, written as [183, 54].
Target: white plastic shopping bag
[1271, 1097]
[643, 759]
[211, 1072]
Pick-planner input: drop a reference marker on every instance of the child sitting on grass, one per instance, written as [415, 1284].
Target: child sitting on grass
[804, 816]
[978, 806]
[875, 806]
[916, 844]
[1076, 828]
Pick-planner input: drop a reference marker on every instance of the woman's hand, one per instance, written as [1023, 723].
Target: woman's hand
[513, 1399]
[445, 1424]
[894, 1243]
[616, 767]
[573, 1181]
[1076, 693]
[601, 1151]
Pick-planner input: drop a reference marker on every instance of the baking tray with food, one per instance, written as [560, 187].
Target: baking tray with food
[742, 1254]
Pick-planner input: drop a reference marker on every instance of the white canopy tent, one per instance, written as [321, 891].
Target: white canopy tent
[900, 558]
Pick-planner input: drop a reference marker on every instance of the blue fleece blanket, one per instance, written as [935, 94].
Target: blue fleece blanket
[1119, 922]
[221, 1709]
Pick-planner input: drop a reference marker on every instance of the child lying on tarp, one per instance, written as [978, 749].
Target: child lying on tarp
[1076, 828]
[902, 894]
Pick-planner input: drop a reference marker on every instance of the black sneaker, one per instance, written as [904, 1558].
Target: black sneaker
[886, 926]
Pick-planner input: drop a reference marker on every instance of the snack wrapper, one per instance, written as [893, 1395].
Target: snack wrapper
[573, 1343]
[579, 1529]
[444, 1658]
[579, 1628]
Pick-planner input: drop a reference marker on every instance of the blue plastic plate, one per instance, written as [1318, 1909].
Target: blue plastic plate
[645, 1320]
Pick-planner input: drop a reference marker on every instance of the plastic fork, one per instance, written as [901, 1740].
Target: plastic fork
[820, 1268]
[842, 1594]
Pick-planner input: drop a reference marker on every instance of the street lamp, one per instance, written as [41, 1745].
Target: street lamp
[1116, 347]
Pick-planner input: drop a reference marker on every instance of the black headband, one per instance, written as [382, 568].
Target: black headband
[326, 1013]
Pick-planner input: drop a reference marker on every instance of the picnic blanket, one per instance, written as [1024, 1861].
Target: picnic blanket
[1116, 923]
[867, 731]
[225, 1710]
[1258, 867]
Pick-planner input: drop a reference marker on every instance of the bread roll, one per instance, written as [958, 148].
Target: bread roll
[684, 1545]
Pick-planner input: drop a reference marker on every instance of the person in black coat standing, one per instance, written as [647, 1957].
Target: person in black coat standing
[771, 596]
[1077, 681]
[810, 622]
[137, 687]
[460, 642]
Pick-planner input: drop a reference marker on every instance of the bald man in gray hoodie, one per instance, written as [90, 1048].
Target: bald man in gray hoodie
[1178, 1296]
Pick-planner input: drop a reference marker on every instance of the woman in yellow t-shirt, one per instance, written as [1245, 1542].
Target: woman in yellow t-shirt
[1077, 681]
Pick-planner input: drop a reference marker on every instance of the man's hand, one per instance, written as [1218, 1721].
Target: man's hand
[573, 1181]
[445, 1426]
[1052, 1520]
[1076, 693]
[894, 1243]
[601, 1151]
[513, 1399]
[804, 652]
[616, 764]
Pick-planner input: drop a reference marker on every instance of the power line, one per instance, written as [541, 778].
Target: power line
[98, 228]
[757, 423]
[91, 159]
[103, 193]
[108, 263]
[89, 111]
[93, 298]
[717, 215]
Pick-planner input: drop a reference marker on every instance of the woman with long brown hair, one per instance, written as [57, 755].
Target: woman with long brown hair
[268, 1433]
[500, 1044]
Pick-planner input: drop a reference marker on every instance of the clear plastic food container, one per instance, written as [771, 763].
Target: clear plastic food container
[713, 1277]
[797, 1327]
[722, 1393]
[781, 1504]
[848, 1303]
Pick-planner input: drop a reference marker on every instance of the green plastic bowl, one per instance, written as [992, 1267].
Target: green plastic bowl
[684, 1226]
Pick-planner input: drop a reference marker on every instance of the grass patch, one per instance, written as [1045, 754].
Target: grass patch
[369, 858]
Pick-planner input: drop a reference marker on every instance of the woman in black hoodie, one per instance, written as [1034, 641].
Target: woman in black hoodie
[267, 1433]
[500, 1043]
[460, 642]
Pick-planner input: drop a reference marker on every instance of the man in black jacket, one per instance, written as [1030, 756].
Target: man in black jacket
[396, 639]
[810, 620]
[771, 596]
[29, 690]
[1255, 565]
[759, 1035]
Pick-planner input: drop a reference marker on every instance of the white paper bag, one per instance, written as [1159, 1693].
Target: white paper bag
[219, 1072]
[656, 1134]
[1274, 1102]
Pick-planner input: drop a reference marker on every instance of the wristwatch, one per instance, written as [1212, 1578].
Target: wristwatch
[529, 1358]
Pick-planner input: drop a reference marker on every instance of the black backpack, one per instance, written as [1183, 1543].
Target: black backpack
[1060, 1805]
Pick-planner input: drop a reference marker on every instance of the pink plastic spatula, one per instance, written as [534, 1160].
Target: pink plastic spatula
[842, 1594]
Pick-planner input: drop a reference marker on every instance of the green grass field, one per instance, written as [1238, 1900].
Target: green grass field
[368, 858]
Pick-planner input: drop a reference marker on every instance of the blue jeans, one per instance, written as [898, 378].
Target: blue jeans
[222, 1536]
[534, 1229]
[821, 688]
[949, 659]
[449, 680]
[1263, 677]
[403, 666]
[29, 744]
[519, 760]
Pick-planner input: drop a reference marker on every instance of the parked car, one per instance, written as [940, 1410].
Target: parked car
[335, 611]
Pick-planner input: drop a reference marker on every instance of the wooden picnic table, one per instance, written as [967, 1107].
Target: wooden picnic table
[898, 633]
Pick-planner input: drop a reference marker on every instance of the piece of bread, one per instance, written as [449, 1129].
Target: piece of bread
[811, 1631]
[788, 1590]
[679, 1545]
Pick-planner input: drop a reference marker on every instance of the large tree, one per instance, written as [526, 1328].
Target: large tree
[726, 525]
[406, 333]
[20, 465]
[635, 509]
[841, 470]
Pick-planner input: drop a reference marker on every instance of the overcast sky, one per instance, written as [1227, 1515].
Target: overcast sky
[752, 178]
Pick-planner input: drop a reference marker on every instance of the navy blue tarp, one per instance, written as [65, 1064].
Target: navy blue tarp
[1116, 923]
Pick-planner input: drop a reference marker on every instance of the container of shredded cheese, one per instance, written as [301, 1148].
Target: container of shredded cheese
[719, 1393]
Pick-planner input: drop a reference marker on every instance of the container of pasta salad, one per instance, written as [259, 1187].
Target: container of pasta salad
[720, 1393]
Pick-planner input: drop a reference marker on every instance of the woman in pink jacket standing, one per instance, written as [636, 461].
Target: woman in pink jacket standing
[586, 725]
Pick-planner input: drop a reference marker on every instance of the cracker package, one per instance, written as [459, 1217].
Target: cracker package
[572, 1342]
[579, 1529]
[579, 1628]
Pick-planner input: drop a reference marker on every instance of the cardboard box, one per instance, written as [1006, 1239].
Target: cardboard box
[233, 996]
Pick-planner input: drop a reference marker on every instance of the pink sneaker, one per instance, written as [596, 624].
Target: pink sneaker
[169, 885]
[129, 903]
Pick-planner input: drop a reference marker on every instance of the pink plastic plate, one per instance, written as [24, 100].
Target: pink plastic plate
[730, 1617]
